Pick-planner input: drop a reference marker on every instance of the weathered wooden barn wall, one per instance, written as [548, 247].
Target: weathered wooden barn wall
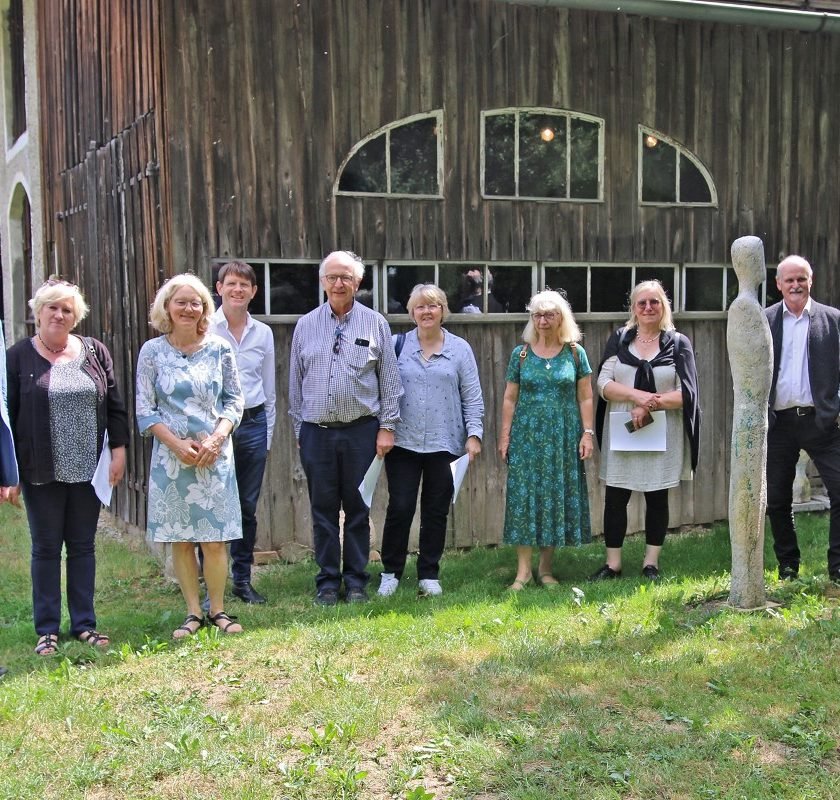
[264, 99]
[105, 226]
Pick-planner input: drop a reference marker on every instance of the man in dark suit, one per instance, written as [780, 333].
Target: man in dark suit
[804, 408]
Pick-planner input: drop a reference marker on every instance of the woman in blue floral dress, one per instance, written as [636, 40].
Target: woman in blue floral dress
[546, 434]
[190, 400]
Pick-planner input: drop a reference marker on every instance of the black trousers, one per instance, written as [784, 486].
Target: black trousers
[615, 516]
[405, 469]
[790, 434]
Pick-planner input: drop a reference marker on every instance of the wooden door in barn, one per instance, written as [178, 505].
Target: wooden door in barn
[108, 241]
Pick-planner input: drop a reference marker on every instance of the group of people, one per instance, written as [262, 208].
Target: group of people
[205, 393]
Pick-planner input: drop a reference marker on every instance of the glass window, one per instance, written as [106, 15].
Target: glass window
[294, 288]
[403, 158]
[541, 153]
[573, 282]
[671, 174]
[773, 295]
[665, 275]
[401, 280]
[509, 289]
[704, 288]
[464, 285]
[611, 288]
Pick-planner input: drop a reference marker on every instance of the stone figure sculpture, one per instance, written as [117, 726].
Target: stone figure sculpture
[751, 361]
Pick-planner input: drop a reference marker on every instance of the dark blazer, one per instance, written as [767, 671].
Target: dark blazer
[29, 411]
[823, 360]
[8, 460]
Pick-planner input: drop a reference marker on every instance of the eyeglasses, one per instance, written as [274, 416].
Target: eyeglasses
[193, 305]
[337, 342]
[333, 279]
[427, 307]
[548, 316]
[55, 280]
[653, 303]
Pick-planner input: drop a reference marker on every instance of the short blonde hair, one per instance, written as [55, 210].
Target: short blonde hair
[549, 300]
[159, 315]
[427, 293]
[53, 290]
[667, 321]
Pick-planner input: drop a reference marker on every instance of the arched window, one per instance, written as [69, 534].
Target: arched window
[19, 253]
[541, 154]
[671, 175]
[402, 158]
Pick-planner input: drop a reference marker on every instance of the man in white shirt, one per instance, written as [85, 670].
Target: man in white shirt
[253, 344]
[804, 407]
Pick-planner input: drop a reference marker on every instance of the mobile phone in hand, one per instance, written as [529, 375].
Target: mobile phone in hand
[646, 420]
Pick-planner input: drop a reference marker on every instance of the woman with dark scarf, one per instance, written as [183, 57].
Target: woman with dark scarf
[647, 366]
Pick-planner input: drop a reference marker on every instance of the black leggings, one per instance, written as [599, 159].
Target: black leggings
[615, 516]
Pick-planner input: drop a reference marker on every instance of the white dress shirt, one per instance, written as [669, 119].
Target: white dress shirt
[255, 360]
[793, 384]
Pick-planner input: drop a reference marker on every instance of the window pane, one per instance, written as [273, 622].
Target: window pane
[365, 172]
[731, 286]
[542, 155]
[464, 287]
[659, 171]
[572, 281]
[703, 289]
[294, 288]
[610, 288]
[773, 293]
[584, 159]
[693, 186]
[257, 305]
[510, 289]
[665, 275]
[499, 155]
[402, 279]
[414, 158]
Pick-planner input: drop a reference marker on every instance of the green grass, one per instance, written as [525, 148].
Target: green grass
[613, 690]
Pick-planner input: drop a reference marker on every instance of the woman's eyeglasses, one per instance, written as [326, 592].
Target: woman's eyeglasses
[548, 316]
[653, 303]
[427, 307]
[55, 280]
[193, 305]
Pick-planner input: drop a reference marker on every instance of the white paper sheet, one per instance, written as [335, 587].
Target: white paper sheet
[651, 438]
[368, 484]
[459, 472]
[100, 480]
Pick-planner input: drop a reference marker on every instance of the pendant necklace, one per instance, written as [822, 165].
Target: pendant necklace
[53, 350]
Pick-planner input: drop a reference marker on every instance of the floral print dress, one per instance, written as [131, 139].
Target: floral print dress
[547, 504]
[189, 394]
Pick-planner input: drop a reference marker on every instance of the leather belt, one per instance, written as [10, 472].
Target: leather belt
[800, 411]
[250, 413]
[350, 424]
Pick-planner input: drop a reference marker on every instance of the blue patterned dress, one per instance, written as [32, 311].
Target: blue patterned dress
[547, 503]
[189, 394]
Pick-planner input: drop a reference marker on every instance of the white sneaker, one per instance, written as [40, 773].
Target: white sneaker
[388, 585]
[429, 588]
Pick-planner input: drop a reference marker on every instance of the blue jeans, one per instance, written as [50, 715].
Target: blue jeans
[335, 461]
[249, 454]
[62, 515]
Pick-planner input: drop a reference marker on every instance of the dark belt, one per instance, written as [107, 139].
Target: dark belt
[799, 411]
[350, 424]
[251, 413]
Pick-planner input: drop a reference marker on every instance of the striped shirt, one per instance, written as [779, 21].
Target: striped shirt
[342, 370]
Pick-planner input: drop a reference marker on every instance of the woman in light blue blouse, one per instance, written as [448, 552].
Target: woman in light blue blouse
[440, 418]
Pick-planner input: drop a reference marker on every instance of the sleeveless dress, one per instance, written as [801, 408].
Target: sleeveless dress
[547, 503]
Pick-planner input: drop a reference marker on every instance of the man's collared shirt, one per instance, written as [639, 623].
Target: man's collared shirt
[341, 370]
[255, 360]
[793, 384]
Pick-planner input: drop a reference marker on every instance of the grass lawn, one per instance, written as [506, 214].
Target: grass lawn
[612, 690]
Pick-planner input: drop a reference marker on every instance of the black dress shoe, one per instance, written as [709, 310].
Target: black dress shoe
[606, 573]
[3, 671]
[247, 593]
[834, 576]
[326, 597]
[356, 596]
[650, 572]
[788, 572]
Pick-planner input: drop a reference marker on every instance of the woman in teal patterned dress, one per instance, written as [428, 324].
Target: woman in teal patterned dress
[545, 436]
[190, 400]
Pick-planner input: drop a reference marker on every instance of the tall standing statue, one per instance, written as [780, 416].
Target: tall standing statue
[751, 360]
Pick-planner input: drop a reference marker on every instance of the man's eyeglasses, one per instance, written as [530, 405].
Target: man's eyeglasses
[653, 303]
[333, 279]
[337, 342]
[427, 307]
[548, 316]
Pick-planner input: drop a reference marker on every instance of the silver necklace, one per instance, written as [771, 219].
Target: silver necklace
[647, 341]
